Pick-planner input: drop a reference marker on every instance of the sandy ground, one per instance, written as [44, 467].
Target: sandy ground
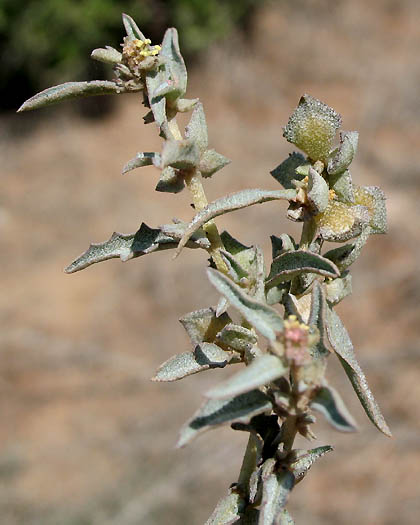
[86, 438]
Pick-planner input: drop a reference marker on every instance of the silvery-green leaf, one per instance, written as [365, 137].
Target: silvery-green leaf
[203, 325]
[342, 345]
[183, 105]
[204, 356]
[155, 78]
[304, 461]
[285, 173]
[264, 318]
[70, 90]
[285, 518]
[175, 231]
[211, 161]
[233, 202]
[216, 412]
[342, 184]
[133, 32]
[276, 491]
[281, 244]
[338, 289]
[301, 307]
[342, 157]
[222, 306]
[328, 402]
[170, 181]
[261, 371]
[275, 294]
[374, 199]
[142, 159]
[228, 509]
[196, 131]
[175, 63]
[237, 337]
[317, 318]
[236, 271]
[180, 154]
[288, 265]
[318, 191]
[344, 256]
[257, 275]
[108, 55]
[232, 245]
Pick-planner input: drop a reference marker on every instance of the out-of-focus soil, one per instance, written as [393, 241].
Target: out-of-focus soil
[86, 438]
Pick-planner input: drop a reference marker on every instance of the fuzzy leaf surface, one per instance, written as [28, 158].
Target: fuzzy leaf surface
[285, 173]
[170, 181]
[196, 131]
[68, 91]
[286, 518]
[233, 202]
[342, 184]
[264, 318]
[204, 357]
[290, 264]
[317, 318]
[318, 191]
[328, 402]
[301, 465]
[261, 371]
[216, 412]
[276, 491]
[212, 161]
[131, 28]
[342, 345]
[141, 160]
[180, 154]
[344, 256]
[338, 289]
[228, 510]
[343, 156]
[175, 63]
[204, 325]
[237, 337]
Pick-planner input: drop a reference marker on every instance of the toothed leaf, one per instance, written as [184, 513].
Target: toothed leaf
[233, 202]
[203, 325]
[342, 345]
[261, 371]
[216, 412]
[285, 173]
[264, 318]
[180, 154]
[70, 90]
[211, 161]
[170, 181]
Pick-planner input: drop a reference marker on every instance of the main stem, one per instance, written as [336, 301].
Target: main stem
[194, 184]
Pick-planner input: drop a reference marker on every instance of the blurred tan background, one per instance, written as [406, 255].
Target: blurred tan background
[86, 438]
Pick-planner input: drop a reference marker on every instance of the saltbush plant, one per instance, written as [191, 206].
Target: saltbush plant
[285, 326]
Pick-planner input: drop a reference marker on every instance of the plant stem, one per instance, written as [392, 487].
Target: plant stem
[193, 182]
[248, 463]
[308, 234]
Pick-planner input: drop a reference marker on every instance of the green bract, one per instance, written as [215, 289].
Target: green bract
[280, 324]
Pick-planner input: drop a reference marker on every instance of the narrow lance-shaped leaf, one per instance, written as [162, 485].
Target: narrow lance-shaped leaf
[204, 357]
[301, 465]
[317, 318]
[237, 337]
[288, 265]
[70, 90]
[342, 345]
[228, 509]
[216, 412]
[318, 191]
[141, 160]
[262, 317]
[328, 402]
[233, 202]
[276, 491]
[261, 371]
[131, 28]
